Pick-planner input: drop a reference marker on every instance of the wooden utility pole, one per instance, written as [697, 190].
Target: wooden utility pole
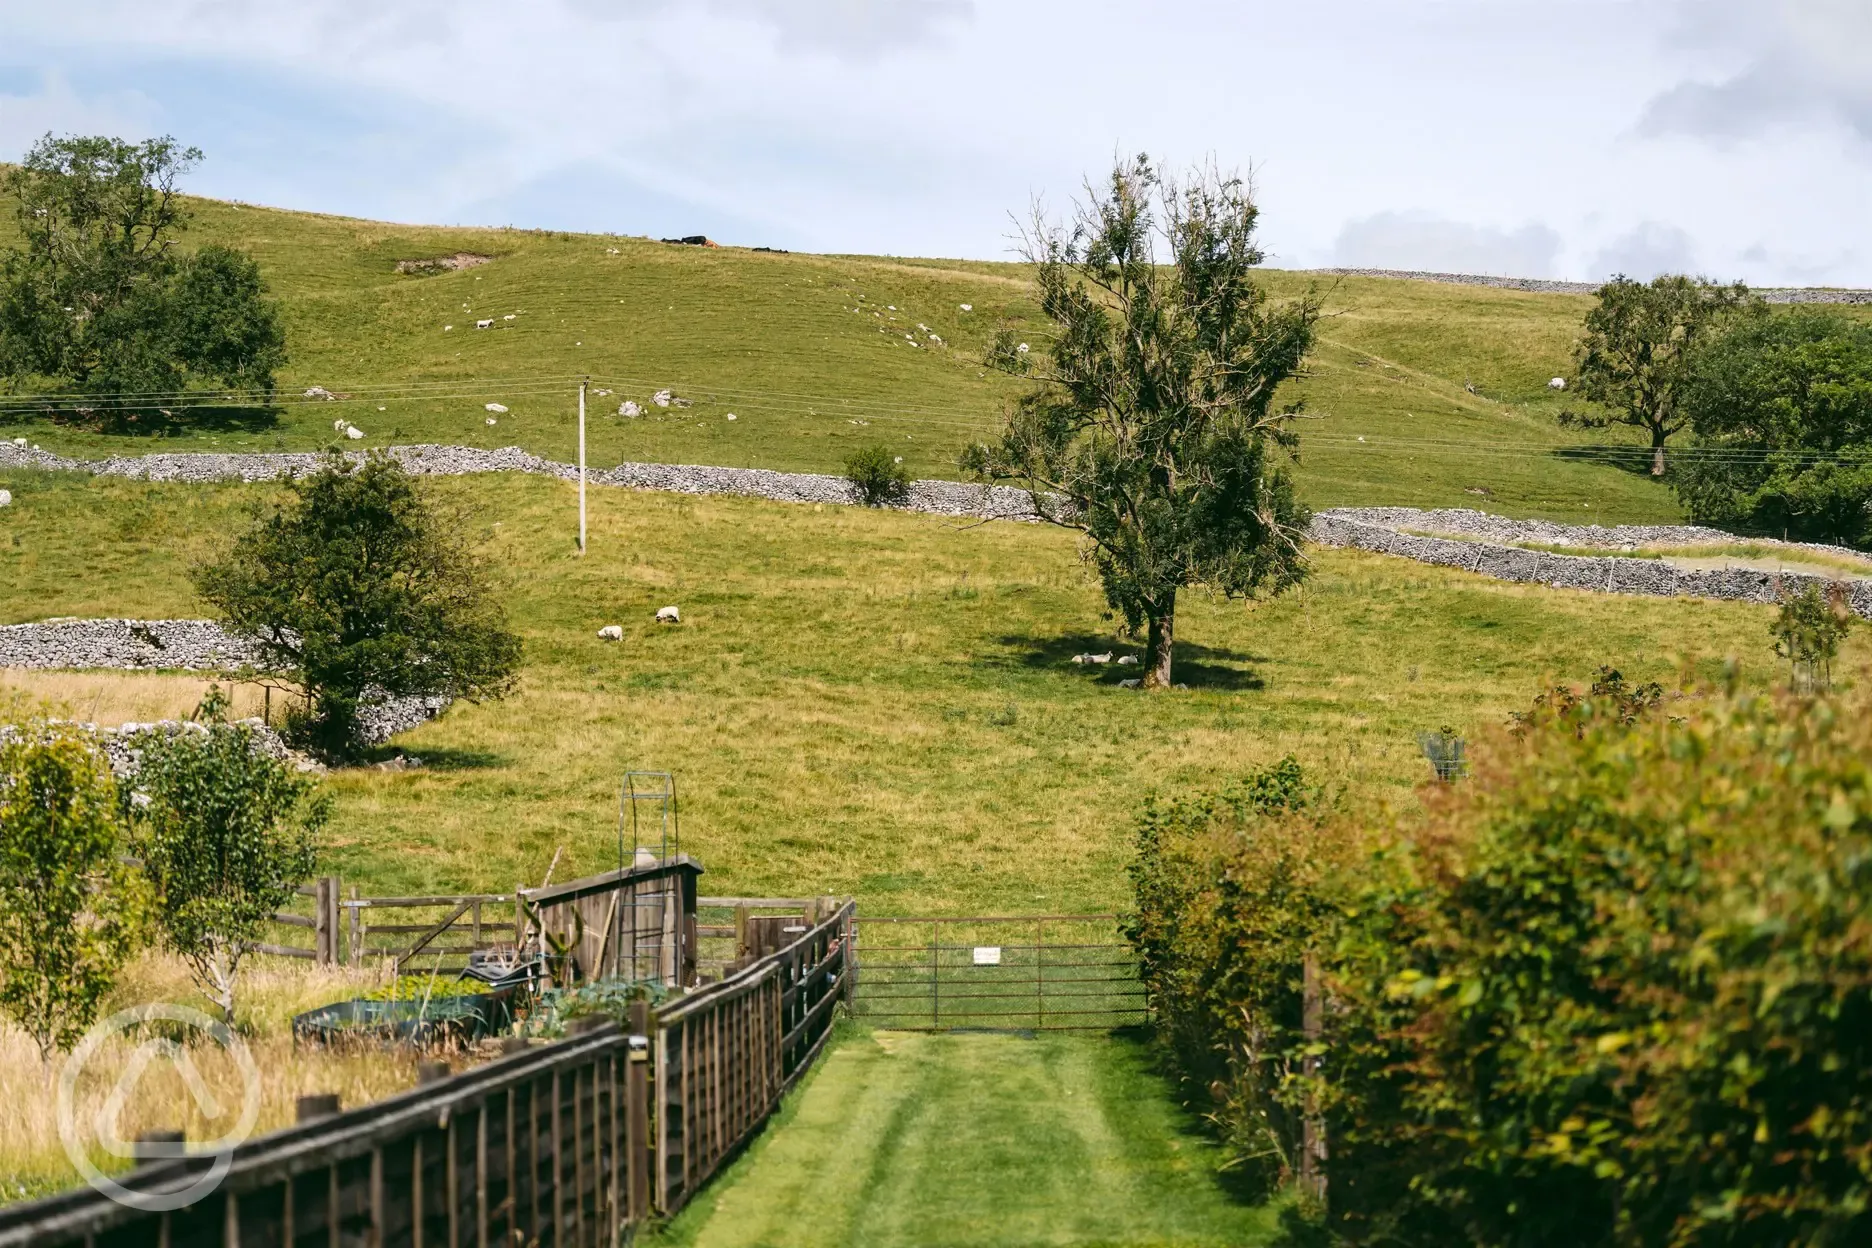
[583, 382]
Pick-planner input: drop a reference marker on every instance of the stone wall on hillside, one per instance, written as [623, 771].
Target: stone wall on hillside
[1610, 574]
[175, 645]
[947, 498]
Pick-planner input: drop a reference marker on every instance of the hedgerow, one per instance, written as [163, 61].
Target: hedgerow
[1614, 988]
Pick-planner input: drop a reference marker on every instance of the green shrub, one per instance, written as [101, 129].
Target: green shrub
[70, 907]
[360, 589]
[1231, 891]
[878, 478]
[226, 833]
[1613, 989]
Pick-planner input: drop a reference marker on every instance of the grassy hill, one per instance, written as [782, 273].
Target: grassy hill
[877, 703]
[1420, 393]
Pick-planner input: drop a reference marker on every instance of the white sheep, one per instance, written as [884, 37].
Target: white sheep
[487, 324]
[496, 407]
[353, 432]
[1558, 383]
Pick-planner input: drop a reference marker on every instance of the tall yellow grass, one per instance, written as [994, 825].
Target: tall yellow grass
[111, 698]
[33, 1159]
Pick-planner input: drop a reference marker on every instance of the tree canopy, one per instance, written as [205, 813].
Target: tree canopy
[1781, 406]
[99, 300]
[357, 589]
[1155, 427]
[226, 833]
[1634, 355]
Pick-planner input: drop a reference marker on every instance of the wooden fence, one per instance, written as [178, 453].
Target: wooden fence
[637, 923]
[566, 1144]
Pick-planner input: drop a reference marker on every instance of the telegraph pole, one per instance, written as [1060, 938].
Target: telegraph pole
[583, 382]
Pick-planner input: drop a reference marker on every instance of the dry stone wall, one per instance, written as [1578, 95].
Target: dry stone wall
[175, 645]
[1610, 574]
[947, 498]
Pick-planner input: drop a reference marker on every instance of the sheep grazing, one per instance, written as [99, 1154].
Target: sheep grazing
[611, 632]
[487, 324]
[1558, 383]
[668, 615]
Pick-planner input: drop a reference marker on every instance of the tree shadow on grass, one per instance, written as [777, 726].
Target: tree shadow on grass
[153, 425]
[434, 758]
[1635, 460]
[1195, 665]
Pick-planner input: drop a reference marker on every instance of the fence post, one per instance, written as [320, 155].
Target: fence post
[1313, 1129]
[637, 1148]
[357, 930]
[741, 949]
[321, 928]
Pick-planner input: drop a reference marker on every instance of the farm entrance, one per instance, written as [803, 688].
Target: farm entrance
[1022, 973]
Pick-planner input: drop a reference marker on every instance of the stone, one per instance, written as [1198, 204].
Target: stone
[661, 398]
[730, 415]
[1558, 383]
[611, 632]
[6, 498]
[353, 432]
[497, 407]
[966, 307]
[668, 615]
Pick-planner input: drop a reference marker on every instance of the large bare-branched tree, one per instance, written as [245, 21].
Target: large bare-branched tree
[1156, 427]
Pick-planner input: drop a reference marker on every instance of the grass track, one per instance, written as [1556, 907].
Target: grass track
[971, 1139]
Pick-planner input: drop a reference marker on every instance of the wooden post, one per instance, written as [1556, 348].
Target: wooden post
[321, 927]
[582, 385]
[637, 1113]
[1313, 1130]
[741, 947]
[357, 930]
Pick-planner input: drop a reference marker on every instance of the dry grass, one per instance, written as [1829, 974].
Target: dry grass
[32, 1157]
[112, 698]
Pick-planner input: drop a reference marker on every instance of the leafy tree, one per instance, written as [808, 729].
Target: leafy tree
[1154, 429]
[69, 905]
[98, 297]
[1634, 357]
[1782, 410]
[226, 831]
[357, 589]
[877, 477]
[1808, 630]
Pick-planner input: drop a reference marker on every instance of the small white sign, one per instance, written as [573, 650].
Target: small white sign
[987, 955]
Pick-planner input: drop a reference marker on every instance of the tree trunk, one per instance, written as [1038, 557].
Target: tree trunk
[1657, 450]
[1157, 648]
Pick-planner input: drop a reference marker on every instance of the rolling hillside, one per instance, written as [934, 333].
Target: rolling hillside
[1420, 394]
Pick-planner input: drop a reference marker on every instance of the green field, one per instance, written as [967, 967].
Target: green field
[873, 703]
[990, 1140]
[1445, 385]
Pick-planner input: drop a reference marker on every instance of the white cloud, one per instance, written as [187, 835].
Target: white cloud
[1789, 63]
[58, 108]
[916, 126]
[1644, 252]
[1421, 241]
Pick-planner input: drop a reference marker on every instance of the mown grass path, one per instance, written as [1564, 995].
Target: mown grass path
[901, 1138]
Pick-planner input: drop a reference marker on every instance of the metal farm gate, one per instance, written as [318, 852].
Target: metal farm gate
[1046, 972]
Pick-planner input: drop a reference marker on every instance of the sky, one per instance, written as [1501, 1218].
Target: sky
[1535, 138]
